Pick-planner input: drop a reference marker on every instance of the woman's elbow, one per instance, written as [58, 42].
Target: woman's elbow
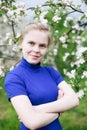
[32, 124]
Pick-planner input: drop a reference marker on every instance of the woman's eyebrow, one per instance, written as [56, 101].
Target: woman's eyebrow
[36, 42]
[30, 41]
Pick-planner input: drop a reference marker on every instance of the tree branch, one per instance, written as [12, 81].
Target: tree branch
[44, 5]
[83, 24]
[80, 11]
[13, 30]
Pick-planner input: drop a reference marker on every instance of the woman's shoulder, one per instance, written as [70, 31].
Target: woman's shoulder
[17, 70]
[50, 68]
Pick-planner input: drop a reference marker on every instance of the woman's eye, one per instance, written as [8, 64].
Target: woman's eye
[42, 46]
[31, 43]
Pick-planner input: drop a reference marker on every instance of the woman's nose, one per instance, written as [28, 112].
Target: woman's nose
[36, 49]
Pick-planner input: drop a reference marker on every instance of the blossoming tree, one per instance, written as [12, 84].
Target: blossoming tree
[69, 53]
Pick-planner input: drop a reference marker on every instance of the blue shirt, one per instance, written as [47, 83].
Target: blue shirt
[39, 83]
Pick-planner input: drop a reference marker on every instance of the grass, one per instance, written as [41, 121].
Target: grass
[75, 119]
[8, 117]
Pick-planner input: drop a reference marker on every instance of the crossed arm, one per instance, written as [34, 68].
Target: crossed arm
[35, 117]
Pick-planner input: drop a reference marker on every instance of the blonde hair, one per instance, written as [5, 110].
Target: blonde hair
[37, 26]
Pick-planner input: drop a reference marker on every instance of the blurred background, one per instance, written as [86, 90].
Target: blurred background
[68, 20]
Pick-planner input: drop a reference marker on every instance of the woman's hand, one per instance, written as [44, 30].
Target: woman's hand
[60, 95]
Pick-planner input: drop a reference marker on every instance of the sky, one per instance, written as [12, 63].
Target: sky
[30, 3]
[33, 3]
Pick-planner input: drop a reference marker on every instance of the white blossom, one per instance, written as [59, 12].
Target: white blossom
[65, 23]
[79, 39]
[85, 13]
[83, 39]
[4, 19]
[80, 50]
[40, 7]
[73, 31]
[8, 35]
[49, 0]
[68, 18]
[77, 27]
[1, 71]
[71, 74]
[55, 51]
[10, 41]
[57, 12]
[56, 18]
[56, 31]
[65, 56]
[73, 53]
[72, 64]
[62, 39]
[21, 5]
[42, 15]
[17, 35]
[68, 2]
[79, 62]
[15, 48]
[84, 75]
[10, 13]
[16, 15]
[80, 94]
[42, 19]
[64, 45]
[65, 71]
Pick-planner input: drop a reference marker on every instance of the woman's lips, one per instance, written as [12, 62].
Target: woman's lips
[34, 56]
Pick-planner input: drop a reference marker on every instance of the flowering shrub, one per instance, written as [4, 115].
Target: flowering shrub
[69, 53]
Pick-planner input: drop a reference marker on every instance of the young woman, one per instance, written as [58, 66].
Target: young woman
[32, 88]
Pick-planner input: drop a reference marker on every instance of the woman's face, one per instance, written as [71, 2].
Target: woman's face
[34, 46]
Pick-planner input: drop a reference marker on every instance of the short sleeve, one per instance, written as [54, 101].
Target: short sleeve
[14, 85]
[55, 75]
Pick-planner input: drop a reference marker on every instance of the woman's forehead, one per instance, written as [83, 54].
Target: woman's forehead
[36, 36]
